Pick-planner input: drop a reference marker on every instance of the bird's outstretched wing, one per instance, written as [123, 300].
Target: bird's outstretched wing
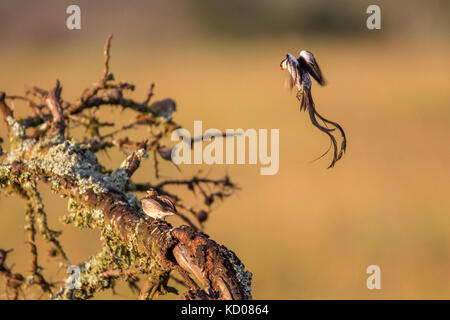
[290, 64]
[307, 61]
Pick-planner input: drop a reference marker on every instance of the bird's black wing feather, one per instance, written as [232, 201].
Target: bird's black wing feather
[308, 62]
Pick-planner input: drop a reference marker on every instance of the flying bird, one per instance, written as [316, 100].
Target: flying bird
[156, 206]
[301, 70]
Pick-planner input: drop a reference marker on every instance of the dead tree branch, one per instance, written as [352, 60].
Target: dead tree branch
[14, 281]
[133, 244]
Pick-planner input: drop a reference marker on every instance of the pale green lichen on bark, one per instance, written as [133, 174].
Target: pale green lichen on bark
[116, 254]
[59, 158]
[243, 276]
[4, 175]
[82, 217]
[17, 130]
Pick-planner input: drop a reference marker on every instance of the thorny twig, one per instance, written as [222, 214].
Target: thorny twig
[14, 281]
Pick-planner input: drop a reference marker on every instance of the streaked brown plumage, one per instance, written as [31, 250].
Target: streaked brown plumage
[156, 206]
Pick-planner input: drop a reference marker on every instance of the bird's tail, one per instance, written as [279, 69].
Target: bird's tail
[301, 96]
[307, 103]
[336, 125]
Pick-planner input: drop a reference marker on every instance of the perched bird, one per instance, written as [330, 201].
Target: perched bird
[164, 108]
[301, 70]
[156, 206]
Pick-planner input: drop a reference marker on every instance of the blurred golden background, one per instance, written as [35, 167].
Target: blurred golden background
[307, 232]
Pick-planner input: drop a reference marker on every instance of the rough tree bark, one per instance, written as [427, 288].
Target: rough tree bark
[133, 244]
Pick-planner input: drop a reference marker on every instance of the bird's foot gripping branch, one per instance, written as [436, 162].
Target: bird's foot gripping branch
[134, 245]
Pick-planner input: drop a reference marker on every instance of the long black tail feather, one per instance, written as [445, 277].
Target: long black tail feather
[344, 138]
[306, 102]
[312, 115]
